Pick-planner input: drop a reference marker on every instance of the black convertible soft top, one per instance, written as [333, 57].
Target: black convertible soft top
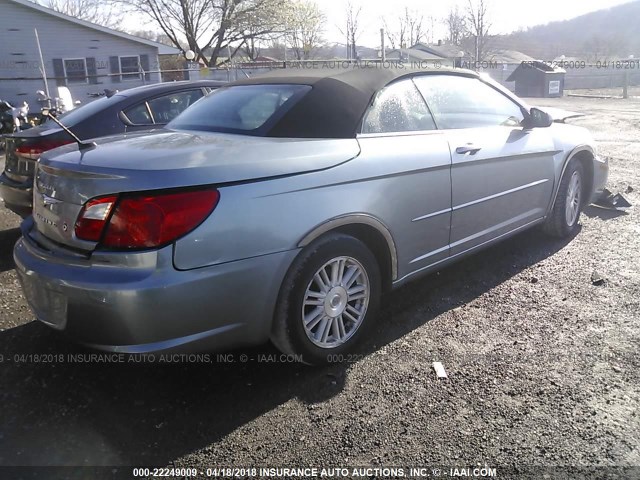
[337, 101]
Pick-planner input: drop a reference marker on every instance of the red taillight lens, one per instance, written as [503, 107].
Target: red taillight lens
[34, 150]
[93, 218]
[145, 221]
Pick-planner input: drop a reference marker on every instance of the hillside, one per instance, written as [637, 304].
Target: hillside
[606, 33]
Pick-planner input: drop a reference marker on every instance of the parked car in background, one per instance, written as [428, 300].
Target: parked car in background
[139, 108]
[282, 207]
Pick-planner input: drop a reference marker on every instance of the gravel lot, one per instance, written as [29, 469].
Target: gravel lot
[543, 367]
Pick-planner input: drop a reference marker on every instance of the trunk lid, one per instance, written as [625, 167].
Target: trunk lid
[166, 159]
[22, 169]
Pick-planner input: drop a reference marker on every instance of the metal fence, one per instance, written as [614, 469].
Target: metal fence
[578, 76]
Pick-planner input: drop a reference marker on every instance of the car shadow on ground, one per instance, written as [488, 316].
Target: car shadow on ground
[8, 238]
[593, 211]
[55, 411]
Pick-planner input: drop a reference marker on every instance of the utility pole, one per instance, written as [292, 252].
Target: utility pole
[348, 40]
[384, 53]
[625, 85]
[477, 52]
[42, 70]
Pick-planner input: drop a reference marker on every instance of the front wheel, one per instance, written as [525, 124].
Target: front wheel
[328, 300]
[565, 214]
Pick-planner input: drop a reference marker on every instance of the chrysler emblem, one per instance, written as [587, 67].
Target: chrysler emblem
[47, 200]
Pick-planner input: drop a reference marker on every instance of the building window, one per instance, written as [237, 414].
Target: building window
[75, 70]
[130, 68]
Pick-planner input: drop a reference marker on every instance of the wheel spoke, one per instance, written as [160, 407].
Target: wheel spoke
[325, 278]
[336, 271]
[325, 328]
[313, 302]
[312, 319]
[320, 281]
[357, 292]
[350, 317]
[342, 331]
[350, 276]
[312, 294]
[335, 329]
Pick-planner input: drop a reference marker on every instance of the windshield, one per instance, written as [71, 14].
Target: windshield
[248, 109]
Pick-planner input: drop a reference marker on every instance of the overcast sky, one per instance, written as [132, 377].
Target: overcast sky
[505, 15]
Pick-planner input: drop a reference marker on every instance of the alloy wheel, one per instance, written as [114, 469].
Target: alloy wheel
[335, 302]
[574, 197]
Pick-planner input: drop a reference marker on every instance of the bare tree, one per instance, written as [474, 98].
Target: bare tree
[599, 47]
[478, 27]
[151, 35]
[456, 26]
[407, 31]
[305, 27]
[352, 29]
[100, 12]
[252, 48]
[221, 25]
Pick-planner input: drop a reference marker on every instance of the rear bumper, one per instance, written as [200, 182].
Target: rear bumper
[150, 306]
[17, 196]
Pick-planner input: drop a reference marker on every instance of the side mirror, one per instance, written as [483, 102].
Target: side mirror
[538, 119]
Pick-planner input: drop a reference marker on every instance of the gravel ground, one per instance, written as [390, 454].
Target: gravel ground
[542, 364]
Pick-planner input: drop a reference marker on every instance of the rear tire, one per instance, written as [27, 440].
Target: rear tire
[328, 300]
[563, 221]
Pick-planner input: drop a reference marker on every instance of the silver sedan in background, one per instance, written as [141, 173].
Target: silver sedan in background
[282, 207]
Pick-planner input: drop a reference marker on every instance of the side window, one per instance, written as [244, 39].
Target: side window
[139, 114]
[398, 108]
[166, 108]
[463, 102]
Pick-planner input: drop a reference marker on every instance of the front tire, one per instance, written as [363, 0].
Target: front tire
[328, 301]
[563, 221]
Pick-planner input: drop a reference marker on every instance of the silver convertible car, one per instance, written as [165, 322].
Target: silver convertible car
[282, 207]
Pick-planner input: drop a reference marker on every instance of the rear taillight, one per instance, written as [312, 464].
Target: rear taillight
[93, 218]
[32, 151]
[144, 221]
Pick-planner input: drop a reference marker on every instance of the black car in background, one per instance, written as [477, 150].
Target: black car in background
[140, 108]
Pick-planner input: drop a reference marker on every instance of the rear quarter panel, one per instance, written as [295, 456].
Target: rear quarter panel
[390, 180]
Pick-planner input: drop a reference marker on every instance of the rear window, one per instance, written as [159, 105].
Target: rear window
[81, 113]
[248, 109]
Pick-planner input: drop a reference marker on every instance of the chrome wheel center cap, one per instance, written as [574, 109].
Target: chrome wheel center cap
[335, 302]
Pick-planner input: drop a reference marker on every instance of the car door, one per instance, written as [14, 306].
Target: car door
[410, 162]
[502, 174]
[158, 111]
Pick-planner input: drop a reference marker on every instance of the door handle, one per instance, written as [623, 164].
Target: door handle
[469, 148]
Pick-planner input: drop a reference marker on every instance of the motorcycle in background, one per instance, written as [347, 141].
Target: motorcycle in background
[58, 105]
[13, 119]
[6, 118]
